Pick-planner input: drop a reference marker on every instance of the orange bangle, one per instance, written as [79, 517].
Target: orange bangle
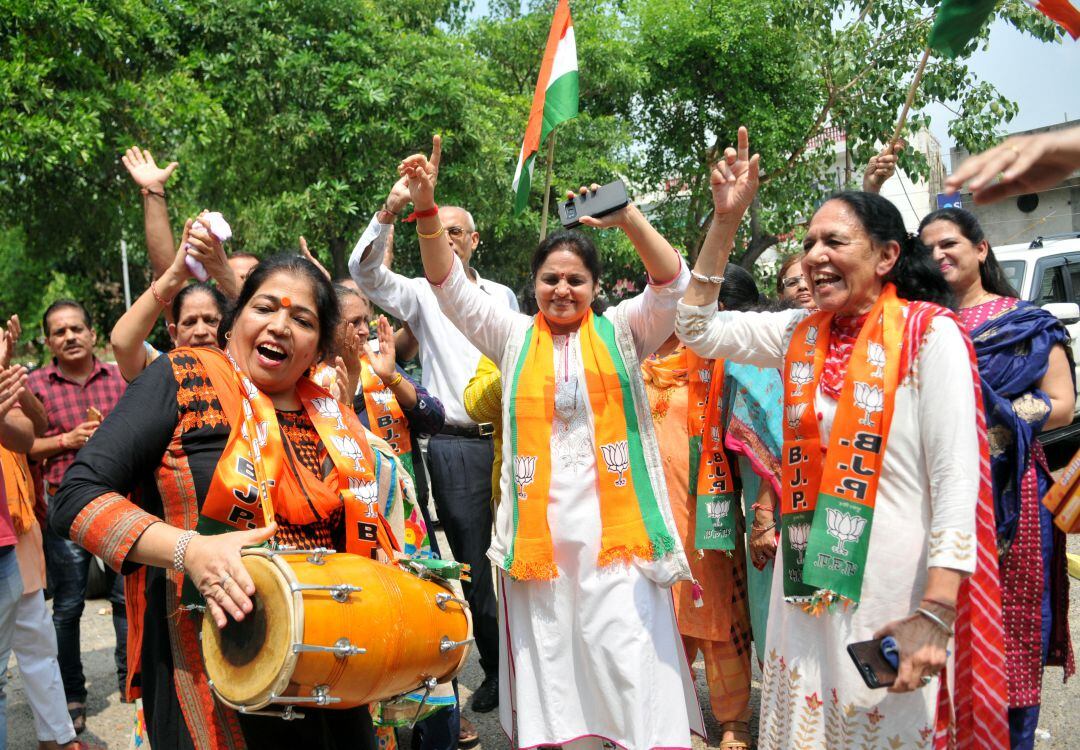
[161, 300]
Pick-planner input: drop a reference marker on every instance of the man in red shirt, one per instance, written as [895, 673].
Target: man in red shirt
[78, 390]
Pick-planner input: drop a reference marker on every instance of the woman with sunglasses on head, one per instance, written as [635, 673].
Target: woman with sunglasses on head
[1027, 387]
[183, 433]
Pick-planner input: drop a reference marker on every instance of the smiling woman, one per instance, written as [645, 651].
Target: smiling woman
[883, 447]
[191, 432]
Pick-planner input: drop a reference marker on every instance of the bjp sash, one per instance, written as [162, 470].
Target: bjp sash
[632, 526]
[19, 489]
[385, 416]
[828, 495]
[258, 478]
[711, 481]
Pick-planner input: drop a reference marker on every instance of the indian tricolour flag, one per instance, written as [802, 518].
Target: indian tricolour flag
[555, 101]
[958, 21]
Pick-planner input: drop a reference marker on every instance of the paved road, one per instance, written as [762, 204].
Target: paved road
[109, 721]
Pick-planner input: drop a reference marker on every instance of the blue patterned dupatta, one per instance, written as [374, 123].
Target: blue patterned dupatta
[753, 409]
[1013, 349]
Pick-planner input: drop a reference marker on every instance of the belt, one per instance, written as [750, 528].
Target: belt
[482, 430]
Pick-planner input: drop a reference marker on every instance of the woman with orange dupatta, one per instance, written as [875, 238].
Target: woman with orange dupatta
[887, 525]
[584, 537]
[199, 431]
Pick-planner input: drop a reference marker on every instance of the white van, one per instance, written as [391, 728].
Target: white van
[1046, 272]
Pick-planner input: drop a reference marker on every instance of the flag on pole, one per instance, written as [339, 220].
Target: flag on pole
[555, 100]
[958, 21]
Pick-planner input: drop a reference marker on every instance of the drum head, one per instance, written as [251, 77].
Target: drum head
[247, 660]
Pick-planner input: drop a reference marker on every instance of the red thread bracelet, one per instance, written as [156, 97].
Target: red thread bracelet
[427, 212]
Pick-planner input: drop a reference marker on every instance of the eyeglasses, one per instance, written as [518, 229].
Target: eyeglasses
[791, 282]
[455, 232]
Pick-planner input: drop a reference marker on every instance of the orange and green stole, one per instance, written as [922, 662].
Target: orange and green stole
[258, 476]
[632, 524]
[711, 481]
[385, 415]
[828, 493]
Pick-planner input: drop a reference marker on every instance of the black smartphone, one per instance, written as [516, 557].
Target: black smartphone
[870, 660]
[606, 199]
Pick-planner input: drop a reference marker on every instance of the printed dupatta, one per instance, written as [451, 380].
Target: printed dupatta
[631, 521]
[257, 477]
[712, 481]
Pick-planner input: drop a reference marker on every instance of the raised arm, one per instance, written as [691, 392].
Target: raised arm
[151, 180]
[133, 328]
[734, 182]
[16, 429]
[880, 168]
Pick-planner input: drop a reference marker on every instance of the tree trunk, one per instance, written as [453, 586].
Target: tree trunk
[759, 241]
[340, 267]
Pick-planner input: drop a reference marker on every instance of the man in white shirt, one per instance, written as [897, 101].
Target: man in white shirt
[460, 457]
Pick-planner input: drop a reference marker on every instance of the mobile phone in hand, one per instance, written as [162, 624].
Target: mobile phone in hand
[93, 415]
[607, 199]
[877, 661]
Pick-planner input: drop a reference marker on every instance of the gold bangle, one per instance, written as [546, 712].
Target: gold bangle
[431, 236]
[394, 380]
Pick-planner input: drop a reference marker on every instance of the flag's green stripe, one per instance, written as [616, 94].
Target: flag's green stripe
[957, 23]
[560, 102]
[524, 184]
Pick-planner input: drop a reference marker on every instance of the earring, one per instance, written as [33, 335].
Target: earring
[228, 335]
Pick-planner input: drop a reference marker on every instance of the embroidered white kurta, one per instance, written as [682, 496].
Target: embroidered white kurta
[594, 652]
[812, 695]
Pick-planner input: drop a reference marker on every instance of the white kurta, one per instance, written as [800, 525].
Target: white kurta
[812, 695]
[594, 653]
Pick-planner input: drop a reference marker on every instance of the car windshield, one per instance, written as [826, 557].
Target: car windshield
[1014, 272]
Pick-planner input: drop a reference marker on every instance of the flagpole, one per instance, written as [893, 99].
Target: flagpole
[910, 98]
[547, 184]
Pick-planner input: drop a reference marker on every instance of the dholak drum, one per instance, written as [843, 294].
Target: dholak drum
[334, 630]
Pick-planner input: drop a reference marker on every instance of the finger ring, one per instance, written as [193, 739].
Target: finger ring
[1012, 148]
[926, 680]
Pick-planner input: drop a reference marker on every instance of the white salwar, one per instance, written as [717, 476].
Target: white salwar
[594, 653]
[924, 516]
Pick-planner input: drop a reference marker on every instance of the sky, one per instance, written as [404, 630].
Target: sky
[1043, 79]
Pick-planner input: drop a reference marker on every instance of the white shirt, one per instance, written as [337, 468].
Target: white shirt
[449, 359]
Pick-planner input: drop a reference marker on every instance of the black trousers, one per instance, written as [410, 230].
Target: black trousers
[461, 484]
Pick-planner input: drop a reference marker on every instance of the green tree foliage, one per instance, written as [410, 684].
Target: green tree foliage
[290, 116]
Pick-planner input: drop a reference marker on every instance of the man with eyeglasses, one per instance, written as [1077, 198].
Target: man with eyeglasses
[460, 457]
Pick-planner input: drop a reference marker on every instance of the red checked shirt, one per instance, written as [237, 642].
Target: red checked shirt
[66, 403]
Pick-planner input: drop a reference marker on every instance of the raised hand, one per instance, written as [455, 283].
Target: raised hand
[880, 168]
[383, 362]
[304, 252]
[613, 219]
[421, 174]
[205, 247]
[1022, 164]
[145, 171]
[12, 385]
[734, 180]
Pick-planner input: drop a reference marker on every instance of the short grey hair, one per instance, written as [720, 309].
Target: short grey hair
[468, 217]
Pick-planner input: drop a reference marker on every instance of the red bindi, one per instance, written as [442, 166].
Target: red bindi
[286, 302]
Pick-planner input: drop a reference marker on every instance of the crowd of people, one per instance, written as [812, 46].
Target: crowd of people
[866, 439]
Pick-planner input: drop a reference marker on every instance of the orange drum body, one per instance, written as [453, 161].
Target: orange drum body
[334, 630]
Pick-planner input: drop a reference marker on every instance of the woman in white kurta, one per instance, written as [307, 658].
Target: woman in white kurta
[592, 651]
[923, 517]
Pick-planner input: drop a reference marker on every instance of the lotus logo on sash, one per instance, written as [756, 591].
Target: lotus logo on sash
[875, 355]
[846, 527]
[811, 338]
[349, 448]
[714, 433]
[366, 491]
[705, 374]
[718, 509]
[249, 388]
[617, 457]
[383, 398]
[329, 408]
[524, 473]
[871, 399]
[261, 431]
[797, 537]
[794, 414]
[801, 374]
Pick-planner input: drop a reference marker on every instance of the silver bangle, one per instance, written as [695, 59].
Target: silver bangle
[706, 279]
[181, 549]
[936, 620]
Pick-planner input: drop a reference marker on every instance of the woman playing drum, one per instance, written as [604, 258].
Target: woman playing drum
[583, 535]
[194, 437]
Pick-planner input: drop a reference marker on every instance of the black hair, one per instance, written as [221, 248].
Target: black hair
[59, 305]
[326, 303]
[580, 245]
[219, 299]
[991, 274]
[915, 274]
[739, 290]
